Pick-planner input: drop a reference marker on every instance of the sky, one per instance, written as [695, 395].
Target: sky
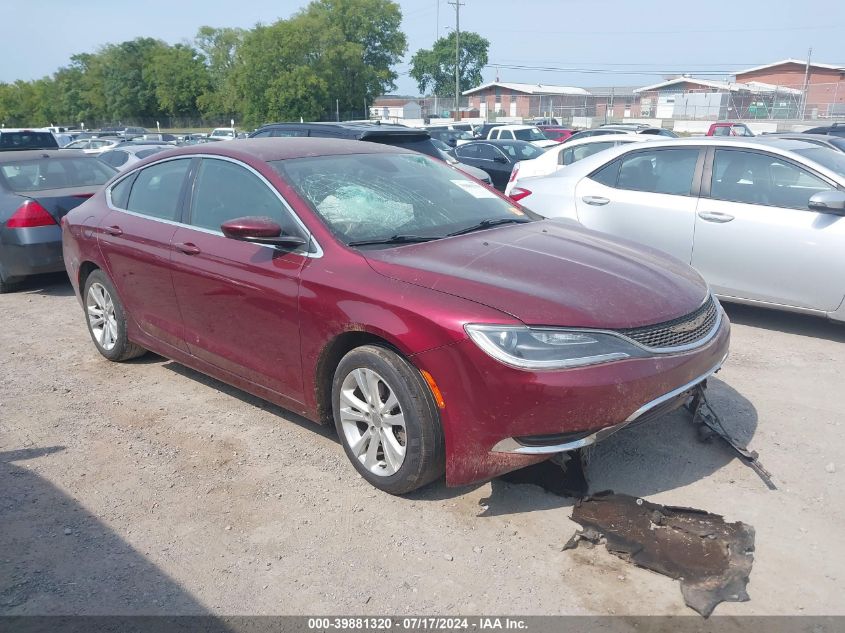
[574, 42]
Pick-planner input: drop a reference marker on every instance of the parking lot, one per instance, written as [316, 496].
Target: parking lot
[149, 488]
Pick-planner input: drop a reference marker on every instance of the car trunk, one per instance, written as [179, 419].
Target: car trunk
[57, 202]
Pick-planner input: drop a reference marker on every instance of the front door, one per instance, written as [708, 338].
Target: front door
[239, 301]
[756, 238]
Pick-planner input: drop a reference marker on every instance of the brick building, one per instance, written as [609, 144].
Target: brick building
[525, 100]
[825, 83]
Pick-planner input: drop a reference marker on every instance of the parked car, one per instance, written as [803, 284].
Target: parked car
[37, 188]
[836, 143]
[21, 139]
[761, 218]
[558, 134]
[621, 128]
[497, 158]
[543, 121]
[123, 131]
[437, 325]
[450, 137]
[483, 130]
[127, 154]
[726, 128]
[835, 129]
[224, 133]
[93, 145]
[396, 135]
[527, 133]
[558, 157]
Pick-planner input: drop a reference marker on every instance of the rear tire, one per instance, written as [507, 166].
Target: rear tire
[387, 420]
[106, 319]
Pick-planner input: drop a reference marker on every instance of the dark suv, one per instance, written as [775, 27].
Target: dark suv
[386, 134]
[837, 129]
[14, 139]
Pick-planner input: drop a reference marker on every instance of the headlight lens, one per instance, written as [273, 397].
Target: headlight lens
[529, 348]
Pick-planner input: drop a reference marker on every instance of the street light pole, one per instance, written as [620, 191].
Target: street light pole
[457, 4]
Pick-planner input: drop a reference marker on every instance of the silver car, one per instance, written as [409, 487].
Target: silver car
[761, 219]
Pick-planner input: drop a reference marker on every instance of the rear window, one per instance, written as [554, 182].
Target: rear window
[28, 140]
[421, 144]
[115, 158]
[54, 173]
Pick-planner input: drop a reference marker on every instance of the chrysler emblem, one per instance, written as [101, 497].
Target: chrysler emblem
[688, 326]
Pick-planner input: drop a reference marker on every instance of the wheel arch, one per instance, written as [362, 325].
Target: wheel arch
[85, 270]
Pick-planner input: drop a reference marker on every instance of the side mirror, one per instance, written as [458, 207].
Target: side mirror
[452, 141]
[500, 159]
[260, 230]
[832, 202]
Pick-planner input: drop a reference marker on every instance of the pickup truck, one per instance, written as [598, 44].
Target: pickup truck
[726, 128]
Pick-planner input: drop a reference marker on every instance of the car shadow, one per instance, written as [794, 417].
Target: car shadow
[289, 416]
[786, 322]
[49, 285]
[60, 559]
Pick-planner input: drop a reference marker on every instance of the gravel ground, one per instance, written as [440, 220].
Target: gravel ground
[148, 488]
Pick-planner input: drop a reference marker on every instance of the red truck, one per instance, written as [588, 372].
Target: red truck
[726, 128]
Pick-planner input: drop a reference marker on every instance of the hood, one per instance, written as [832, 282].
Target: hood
[551, 273]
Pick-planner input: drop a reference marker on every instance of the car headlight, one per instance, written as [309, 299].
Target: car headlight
[549, 348]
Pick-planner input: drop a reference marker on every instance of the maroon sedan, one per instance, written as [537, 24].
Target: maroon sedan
[440, 327]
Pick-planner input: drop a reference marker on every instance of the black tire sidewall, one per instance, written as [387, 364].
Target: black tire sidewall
[424, 452]
[122, 344]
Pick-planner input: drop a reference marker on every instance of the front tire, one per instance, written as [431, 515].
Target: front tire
[106, 319]
[387, 420]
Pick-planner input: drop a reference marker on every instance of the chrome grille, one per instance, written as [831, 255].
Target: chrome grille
[685, 330]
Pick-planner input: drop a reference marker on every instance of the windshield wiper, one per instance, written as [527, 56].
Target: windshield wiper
[396, 239]
[485, 224]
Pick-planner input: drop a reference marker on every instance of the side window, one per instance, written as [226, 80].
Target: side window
[494, 134]
[582, 151]
[756, 178]
[120, 192]
[225, 191]
[157, 188]
[288, 132]
[115, 157]
[263, 134]
[668, 171]
[487, 152]
[608, 174]
[467, 151]
[722, 130]
[506, 134]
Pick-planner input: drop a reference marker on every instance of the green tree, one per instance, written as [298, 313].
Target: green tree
[434, 68]
[180, 77]
[128, 80]
[219, 47]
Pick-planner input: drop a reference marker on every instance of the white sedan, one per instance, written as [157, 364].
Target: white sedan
[763, 219]
[564, 154]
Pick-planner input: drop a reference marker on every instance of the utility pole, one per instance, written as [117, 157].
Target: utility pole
[457, 4]
[806, 84]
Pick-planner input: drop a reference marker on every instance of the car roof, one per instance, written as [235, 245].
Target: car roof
[497, 141]
[351, 126]
[281, 148]
[34, 154]
[605, 138]
[786, 147]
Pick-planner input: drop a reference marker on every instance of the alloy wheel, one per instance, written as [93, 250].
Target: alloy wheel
[373, 422]
[101, 316]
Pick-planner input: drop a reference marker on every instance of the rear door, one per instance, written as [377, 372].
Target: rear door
[756, 238]
[647, 195]
[135, 239]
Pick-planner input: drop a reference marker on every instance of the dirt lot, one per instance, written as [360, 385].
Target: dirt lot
[148, 488]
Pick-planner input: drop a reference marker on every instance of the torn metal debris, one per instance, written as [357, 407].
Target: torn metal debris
[711, 558]
[704, 414]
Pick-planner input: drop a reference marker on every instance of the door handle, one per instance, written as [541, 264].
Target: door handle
[715, 216]
[596, 201]
[187, 248]
[113, 230]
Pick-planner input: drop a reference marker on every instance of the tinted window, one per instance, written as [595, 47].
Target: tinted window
[756, 178]
[520, 151]
[608, 174]
[115, 158]
[262, 134]
[488, 152]
[23, 140]
[659, 171]
[468, 151]
[54, 173]
[416, 143]
[830, 158]
[120, 192]
[225, 191]
[157, 188]
[506, 134]
[288, 132]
